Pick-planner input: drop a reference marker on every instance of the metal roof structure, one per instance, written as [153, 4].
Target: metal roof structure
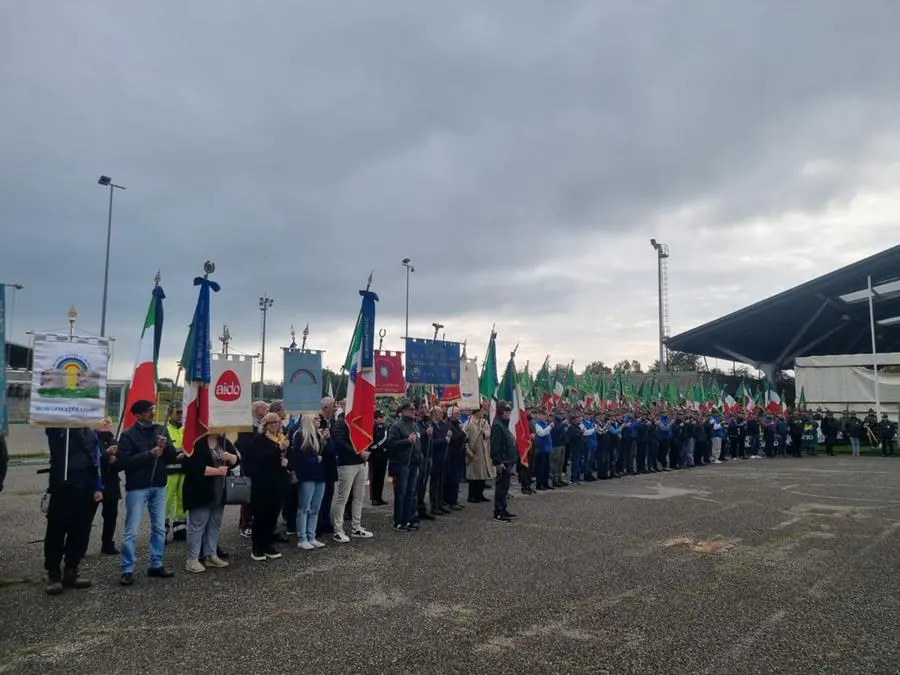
[828, 315]
[18, 356]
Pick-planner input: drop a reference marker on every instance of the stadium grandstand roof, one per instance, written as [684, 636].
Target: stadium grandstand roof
[828, 315]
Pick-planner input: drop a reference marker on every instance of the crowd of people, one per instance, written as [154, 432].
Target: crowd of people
[306, 471]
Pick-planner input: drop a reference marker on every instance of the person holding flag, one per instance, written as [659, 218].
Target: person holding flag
[351, 434]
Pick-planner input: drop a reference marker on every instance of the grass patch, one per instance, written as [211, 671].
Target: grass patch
[63, 392]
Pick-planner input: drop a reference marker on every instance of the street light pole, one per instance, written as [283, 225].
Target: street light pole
[409, 269]
[106, 181]
[265, 302]
[8, 329]
[662, 252]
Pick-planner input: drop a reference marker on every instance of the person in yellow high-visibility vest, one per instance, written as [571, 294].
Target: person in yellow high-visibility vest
[176, 520]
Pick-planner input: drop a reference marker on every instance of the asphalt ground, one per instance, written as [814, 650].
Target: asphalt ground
[768, 566]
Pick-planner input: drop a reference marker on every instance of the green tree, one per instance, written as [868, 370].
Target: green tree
[597, 368]
[678, 362]
[622, 367]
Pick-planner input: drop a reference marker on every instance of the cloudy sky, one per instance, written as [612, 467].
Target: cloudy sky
[521, 153]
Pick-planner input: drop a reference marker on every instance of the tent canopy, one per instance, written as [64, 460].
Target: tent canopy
[828, 315]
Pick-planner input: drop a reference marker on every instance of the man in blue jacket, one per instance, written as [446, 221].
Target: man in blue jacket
[543, 448]
[144, 451]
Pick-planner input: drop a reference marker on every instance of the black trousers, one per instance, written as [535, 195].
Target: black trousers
[887, 446]
[110, 515]
[378, 464]
[436, 484]
[289, 508]
[476, 489]
[456, 463]
[423, 480]
[501, 490]
[829, 445]
[265, 519]
[325, 525]
[662, 453]
[68, 527]
[735, 443]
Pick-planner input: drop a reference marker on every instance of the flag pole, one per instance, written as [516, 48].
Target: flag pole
[874, 349]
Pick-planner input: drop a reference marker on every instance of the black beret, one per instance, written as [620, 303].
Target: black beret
[141, 407]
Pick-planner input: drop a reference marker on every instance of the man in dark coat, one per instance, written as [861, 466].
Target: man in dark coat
[504, 456]
[378, 459]
[75, 489]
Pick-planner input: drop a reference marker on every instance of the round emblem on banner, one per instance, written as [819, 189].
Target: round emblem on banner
[228, 387]
[384, 371]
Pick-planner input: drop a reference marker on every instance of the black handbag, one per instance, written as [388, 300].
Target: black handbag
[237, 490]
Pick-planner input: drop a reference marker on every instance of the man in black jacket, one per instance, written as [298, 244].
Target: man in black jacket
[75, 489]
[830, 430]
[144, 451]
[504, 456]
[378, 459]
[456, 462]
[404, 448]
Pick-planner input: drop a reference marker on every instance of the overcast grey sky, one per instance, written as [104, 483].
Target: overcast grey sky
[521, 153]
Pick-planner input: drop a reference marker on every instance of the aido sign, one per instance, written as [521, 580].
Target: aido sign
[229, 393]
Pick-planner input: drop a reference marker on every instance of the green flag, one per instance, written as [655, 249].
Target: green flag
[487, 385]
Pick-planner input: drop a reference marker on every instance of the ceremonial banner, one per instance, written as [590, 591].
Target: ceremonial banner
[389, 380]
[4, 416]
[229, 405]
[302, 380]
[68, 386]
[432, 362]
[465, 395]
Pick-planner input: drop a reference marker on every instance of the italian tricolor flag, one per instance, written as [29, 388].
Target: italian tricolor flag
[510, 391]
[360, 411]
[144, 379]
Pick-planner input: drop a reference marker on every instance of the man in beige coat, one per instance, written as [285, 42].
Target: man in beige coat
[479, 468]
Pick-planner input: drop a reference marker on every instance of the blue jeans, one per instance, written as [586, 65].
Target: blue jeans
[405, 479]
[311, 493]
[135, 501]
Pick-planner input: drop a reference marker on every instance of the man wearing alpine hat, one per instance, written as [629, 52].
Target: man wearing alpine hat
[504, 456]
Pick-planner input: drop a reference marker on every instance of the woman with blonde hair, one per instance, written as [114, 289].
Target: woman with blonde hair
[308, 455]
[269, 462]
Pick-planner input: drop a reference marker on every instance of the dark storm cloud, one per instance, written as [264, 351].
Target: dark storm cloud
[303, 146]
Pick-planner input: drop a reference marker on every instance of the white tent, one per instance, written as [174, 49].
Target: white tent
[847, 382]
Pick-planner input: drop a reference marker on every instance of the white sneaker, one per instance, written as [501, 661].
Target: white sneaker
[194, 566]
[317, 544]
[341, 538]
[305, 545]
[361, 533]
